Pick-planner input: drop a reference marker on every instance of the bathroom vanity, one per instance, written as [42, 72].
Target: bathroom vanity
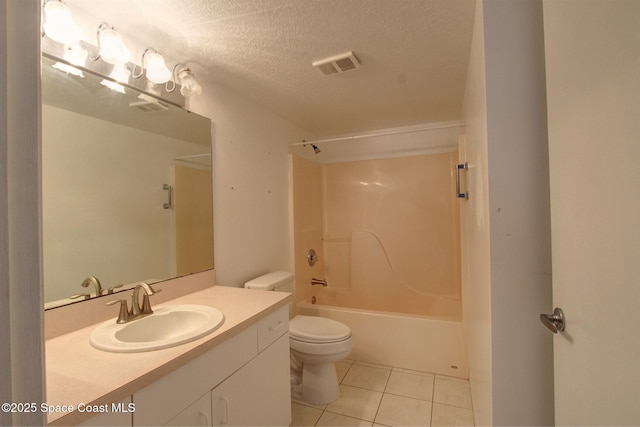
[236, 375]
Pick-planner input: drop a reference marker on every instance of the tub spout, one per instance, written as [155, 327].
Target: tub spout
[315, 281]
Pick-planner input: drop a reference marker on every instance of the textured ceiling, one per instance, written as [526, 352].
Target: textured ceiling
[414, 54]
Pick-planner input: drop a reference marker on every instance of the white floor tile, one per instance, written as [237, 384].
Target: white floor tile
[356, 402]
[452, 392]
[388, 396]
[302, 402]
[445, 415]
[331, 419]
[302, 415]
[341, 370]
[411, 384]
[403, 411]
[367, 377]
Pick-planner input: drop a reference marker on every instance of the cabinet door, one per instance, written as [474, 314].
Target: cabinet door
[165, 398]
[259, 394]
[117, 415]
[197, 414]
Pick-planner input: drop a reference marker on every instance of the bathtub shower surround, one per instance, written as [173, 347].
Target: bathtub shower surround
[408, 341]
[389, 238]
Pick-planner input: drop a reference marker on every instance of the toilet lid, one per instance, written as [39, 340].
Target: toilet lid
[317, 329]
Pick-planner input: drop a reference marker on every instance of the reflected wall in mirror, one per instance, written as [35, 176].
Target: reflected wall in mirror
[111, 163]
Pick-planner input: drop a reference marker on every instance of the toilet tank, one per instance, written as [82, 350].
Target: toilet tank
[274, 281]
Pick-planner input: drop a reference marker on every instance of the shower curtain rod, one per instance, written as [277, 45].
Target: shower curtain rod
[191, 157]
[371, 135]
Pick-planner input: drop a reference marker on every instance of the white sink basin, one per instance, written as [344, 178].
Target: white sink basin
[166, 327]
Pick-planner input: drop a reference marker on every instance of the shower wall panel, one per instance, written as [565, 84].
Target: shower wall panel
[387, 232]
[306, 181]
[401, 219]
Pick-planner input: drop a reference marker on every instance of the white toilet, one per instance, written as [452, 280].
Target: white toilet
[316, 344]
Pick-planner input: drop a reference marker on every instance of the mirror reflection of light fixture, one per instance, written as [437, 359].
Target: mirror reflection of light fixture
[156, 69]
[59, 24]
[75, 54]
[116, 87]
[120, 73]
[69, 69]
[188, 84]
[111, 48]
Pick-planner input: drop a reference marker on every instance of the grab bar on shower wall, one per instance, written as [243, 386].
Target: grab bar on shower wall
[459, 195]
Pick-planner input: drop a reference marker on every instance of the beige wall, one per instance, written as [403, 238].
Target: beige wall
[250, 185]
[507, 219]
[476, 273]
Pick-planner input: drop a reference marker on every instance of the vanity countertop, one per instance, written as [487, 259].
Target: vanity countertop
[78, 373]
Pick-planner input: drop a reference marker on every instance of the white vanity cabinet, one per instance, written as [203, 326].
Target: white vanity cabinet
[256, 395]
[242, 381]
[115, 415]
[197, 414]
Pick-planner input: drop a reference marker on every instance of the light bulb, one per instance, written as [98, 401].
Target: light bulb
[59, 25]
[112, 48]
[189, 85]
[157, 71]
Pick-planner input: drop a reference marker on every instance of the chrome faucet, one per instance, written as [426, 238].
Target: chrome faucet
[127, 314]
[95, 282]
[315, 281]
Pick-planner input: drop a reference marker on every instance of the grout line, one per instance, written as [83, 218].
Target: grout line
[433, 399]
[433, 391]
[382, 397]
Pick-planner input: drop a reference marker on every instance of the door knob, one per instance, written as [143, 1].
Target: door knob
[555, 322]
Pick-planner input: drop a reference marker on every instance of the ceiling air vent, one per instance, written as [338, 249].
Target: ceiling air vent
[337, 64]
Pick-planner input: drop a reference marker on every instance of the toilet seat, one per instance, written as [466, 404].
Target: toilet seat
[314, 329]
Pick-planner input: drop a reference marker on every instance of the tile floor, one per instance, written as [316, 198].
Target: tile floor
[374, 395]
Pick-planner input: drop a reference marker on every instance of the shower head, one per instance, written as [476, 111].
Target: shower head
[315, 149]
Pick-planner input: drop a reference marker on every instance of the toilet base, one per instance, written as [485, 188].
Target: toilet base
[319, 383]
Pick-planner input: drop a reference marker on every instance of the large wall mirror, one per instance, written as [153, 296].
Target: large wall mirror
[127, 187]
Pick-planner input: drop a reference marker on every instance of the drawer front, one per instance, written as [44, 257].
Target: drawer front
[273, 327]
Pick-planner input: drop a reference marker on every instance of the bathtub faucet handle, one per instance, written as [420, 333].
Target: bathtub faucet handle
[315, 281]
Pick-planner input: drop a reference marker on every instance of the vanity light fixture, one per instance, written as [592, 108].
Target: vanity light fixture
[111, 48]
[75, 54]
[188, 84]
[59, 24]
[156, 69]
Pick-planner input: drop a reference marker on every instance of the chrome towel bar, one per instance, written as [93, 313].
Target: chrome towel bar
[460, 195]
[169, 203]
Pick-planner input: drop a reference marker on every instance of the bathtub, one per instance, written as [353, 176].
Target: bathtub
[433, 343]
